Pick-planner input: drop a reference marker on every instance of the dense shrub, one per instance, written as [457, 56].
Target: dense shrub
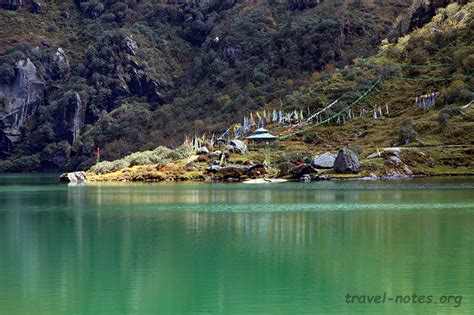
[357, 150]
[108, 17]
[406, 133]
[161, 155]
[21, 164]
[102, 167]
[446, 114]
[140, 158]
[181, 152]
[285, 168]
[311, 138]
[457, 92]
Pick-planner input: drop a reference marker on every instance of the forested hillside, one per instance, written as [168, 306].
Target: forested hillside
[131, 75]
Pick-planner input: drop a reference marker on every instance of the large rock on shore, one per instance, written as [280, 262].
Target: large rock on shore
[73, 178]
[346, 162]
[325, 160]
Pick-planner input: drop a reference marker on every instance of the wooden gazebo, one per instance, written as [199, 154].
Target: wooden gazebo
[261, 138]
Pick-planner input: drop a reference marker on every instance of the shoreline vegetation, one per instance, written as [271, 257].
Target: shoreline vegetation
[183, 164]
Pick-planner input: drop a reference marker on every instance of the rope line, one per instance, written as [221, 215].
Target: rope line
[421, 78]
[412, 65]
[353, 103]
[339, 113]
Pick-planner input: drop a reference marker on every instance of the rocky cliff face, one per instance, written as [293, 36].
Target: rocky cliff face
[11, 4]
[22, 97]
[59, 67]
[135, 80]
[417, 15]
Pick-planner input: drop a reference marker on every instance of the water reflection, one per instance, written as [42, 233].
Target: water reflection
[115, 249]
[284, 197]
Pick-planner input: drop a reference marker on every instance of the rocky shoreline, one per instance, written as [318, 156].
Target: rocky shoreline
[263, 180]
[204, 166]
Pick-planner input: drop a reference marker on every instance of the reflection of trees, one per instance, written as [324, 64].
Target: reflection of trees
[134, 246]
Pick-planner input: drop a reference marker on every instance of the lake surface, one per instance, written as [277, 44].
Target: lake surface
[234, 248]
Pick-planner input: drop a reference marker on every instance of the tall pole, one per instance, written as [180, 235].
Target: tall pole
[97, 156]
[266, 162]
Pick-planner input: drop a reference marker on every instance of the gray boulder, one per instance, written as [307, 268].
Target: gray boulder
[215, 154]
[325, 160]
[346, 162]
[202, 151]
[213, 168]
[73, 178]
[305, 178]
[238, 146]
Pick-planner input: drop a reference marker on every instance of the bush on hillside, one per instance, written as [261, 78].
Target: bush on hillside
[446, 114]
[406, 133]
[457, 92]
[311, 137]
[357, 150]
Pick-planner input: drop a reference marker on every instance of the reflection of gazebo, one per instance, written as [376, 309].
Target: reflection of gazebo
[261, 138]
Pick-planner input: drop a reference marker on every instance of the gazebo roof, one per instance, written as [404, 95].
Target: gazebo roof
[260, 130]
[262, 134]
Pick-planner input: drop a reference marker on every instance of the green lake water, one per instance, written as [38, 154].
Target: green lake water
[234, 248]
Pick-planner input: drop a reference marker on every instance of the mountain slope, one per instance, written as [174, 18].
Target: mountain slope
[130, 76]
[434, 140]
